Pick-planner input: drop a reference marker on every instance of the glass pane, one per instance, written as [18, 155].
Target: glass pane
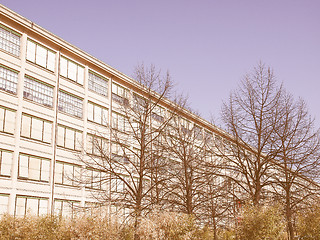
[20, 206]
[47, 132]
[23, 166]
[43, 207]
[4, 200]
[78, 140]
[41, 56]
[104, 116]
[80, 75]
[34, 168]
[63, 67]
[6, 162]
[69, 138]
[36, 130]
[61, 136]
[32, 206]
[90, 111]
[9, 121]
[68, 174]
[26, 124]
[97, 114]
[57, 207]
[51, 61]
[1, 119]
[72, 71]
[45, 170]
[31, 51]
[58, 173]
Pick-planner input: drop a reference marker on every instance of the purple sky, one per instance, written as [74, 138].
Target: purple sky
[207, 45]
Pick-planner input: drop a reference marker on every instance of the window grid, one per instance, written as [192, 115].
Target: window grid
[67, 174]
[119, 94]
[36, 128]
[98, 84]
[34, 168]
[38, 92]
[70, 104]
[40, 55]
[8, 80]
[97, 113]
[65, 207]
[69, 138]
[71, 70]
[31, 205]
[9, 41]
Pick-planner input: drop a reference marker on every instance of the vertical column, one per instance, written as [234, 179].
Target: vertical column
[23, 47]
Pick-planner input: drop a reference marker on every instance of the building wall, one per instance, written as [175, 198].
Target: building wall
[52, 96]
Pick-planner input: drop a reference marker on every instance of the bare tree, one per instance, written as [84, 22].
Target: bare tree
[298, 157]
[132, 164]
[250, 116]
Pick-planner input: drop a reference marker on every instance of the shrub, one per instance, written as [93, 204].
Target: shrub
[258, 223]
[308, 224]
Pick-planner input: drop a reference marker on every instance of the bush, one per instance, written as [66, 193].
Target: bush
[308, 224]
[258, 223]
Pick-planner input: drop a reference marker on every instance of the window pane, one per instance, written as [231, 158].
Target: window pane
[72, 71]
[23, 166]
[25, 128]
[90, 111]
[9, 41]
[4, 202]
[8, 80]
[68, 174]
[31, 51]
[36, 132]
[104, 116]
[97, 114]
[63, 67]
[32, 206]
[98, 84]
[43, 207]
[51, 61]
[45, 170]
[6, 162]
[20, 206]
[80, 75]
[58, 173]
[69, 138]
[2, 112]
[9, 121]
[61, 136]
[34, 168]
[47, 132]
[41, 56]
[78, 141]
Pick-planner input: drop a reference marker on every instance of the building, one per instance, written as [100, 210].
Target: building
[52, 97]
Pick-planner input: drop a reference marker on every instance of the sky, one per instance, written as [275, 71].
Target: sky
[206, 45]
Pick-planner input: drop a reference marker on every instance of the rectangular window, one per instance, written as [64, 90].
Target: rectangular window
[40, 55]
[67, 174]
[70, 104]
[197, 132]
[97, 145]
[9, 40]
[98, 84]
[65, 207]
[119, 94]
[71, 70]
[158, 113]
[7, 120]
[5, 162]
[118, 122]
[95, 179]
[38, 91]
[69, 138]
[4, 203]
[34, 168]
[36, 128]
[31, 205]
[97, 114]
[8, 79]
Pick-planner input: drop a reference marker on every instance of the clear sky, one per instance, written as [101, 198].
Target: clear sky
[207, 45]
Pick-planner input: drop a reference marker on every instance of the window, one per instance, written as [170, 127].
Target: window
[71, 70]
[97, 145]
[31, 205]
[185, 126]
[97, 114]
[9, 40]
[34, 168]
[5, 162]
[98, 84]
[67, 173]
[158, 113]
[36, 128]
[95, 179]
[7, 120]
[38, 91]
[70, 104]
[197, 132]
[8, 79]
[119, 94]
[4, 203]
[118, 122]
[65, 207]
[117, 185]
[69, 138]
[40, 55]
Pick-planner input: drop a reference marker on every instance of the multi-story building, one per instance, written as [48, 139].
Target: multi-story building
[52, 97]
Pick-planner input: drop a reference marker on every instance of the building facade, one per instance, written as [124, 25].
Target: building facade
[53, 96]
